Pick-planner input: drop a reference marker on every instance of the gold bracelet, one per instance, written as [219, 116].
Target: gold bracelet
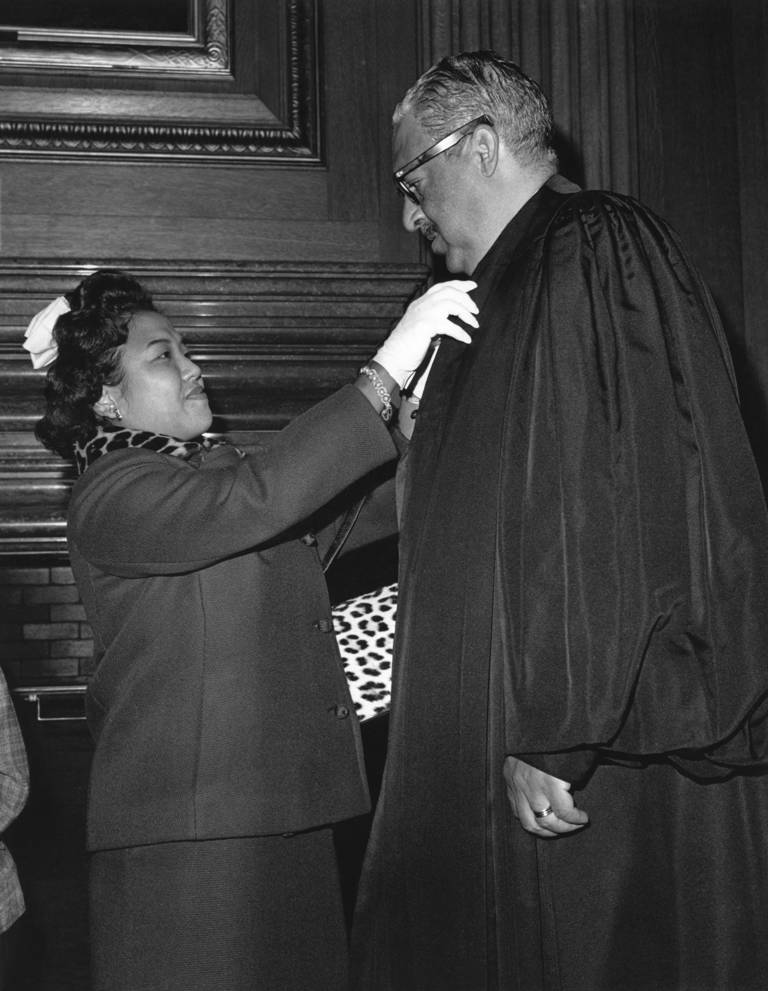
[381, 391]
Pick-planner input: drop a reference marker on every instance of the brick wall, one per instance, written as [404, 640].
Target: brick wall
[44, 638]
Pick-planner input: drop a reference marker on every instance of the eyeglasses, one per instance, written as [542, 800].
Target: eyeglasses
[406, 188]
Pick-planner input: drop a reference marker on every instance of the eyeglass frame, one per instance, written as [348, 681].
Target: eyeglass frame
[433, 151]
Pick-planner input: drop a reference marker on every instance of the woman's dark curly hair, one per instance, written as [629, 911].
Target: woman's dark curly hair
[87, 339]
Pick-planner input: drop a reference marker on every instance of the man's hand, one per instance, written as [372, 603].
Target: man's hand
[531, 790]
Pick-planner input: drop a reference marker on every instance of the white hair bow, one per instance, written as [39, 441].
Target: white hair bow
[38, 338]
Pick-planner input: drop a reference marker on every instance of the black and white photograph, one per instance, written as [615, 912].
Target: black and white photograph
[383, 474]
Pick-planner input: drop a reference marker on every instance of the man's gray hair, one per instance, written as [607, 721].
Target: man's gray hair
[461, 87]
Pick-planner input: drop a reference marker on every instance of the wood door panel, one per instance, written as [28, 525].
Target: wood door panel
[143, 192]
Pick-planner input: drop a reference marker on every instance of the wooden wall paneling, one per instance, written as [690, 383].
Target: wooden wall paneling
[87, 212]
[370, 57]
[350, 69]
[341, 209]
[193, 238]
[398, 46]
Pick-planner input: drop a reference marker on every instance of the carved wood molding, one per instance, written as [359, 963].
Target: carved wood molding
[67, 122]
[271, 338]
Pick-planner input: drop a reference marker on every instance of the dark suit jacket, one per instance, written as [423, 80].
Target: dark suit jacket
[219, 705]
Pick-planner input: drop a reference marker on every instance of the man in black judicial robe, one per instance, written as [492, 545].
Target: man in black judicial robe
[575, 795]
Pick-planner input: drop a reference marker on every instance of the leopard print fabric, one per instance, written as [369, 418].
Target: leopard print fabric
[365, 629]
[109, 438]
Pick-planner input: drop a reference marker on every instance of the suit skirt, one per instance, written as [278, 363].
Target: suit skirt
[239, 914]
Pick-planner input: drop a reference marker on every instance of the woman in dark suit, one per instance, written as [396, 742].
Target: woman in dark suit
[225, 744]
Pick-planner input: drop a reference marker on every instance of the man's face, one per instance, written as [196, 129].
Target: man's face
[443, 213]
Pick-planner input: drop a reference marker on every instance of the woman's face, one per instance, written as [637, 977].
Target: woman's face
[161, 389]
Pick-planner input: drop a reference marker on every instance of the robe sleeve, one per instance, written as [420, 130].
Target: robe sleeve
[634, 544]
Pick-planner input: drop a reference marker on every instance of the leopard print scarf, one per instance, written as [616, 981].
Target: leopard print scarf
[108, 438]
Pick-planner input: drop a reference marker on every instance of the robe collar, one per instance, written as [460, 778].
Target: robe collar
[541, 205]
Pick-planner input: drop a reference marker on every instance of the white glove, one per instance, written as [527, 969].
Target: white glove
[426, 318]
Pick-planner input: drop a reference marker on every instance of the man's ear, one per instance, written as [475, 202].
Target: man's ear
[106, 406]
[486, 146]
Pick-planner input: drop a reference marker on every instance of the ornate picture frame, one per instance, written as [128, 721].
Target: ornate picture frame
[74, 94]
[118, 37]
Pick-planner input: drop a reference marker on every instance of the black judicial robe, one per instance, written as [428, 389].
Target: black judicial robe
[584, 584]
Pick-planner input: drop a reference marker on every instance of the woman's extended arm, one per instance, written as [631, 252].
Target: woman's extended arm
[428, 318]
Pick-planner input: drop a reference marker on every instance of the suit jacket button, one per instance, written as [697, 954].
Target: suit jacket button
[309, 539]
[323, 625]
[342, 711]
